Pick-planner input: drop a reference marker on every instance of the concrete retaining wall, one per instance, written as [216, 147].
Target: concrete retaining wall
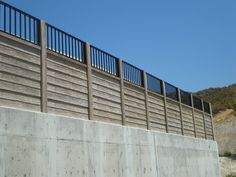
[44, 145]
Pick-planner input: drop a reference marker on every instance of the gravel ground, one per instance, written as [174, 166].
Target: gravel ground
[228, 166]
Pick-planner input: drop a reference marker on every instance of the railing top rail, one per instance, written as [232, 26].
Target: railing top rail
[167, 83]
[132, 65]
[103, 51]
[153, 76]
[22, 12]
[51, 26]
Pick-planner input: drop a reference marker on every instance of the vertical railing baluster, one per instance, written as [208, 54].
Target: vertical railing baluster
[55, 39]
[76, 43]
[15, 22]
[4, 18]
[58, 41]
[62, 40]
[24, 26]
[65, 44]
[71, 41]
[35, 32]
[30, 29]
[9, 20]
[47, 31]
[51, 41]
[79, 48]
[20, 16]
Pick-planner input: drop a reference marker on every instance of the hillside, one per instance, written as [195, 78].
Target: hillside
[224, 109]
[221, 98]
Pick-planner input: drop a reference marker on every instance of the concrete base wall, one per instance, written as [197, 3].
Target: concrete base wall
[45, 145]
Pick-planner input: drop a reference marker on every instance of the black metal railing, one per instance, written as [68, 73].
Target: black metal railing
[185, 98]
[64, 43]
[171, 91]
[18, 23]
[206, 107]
[104, 61]
[154, 84]
[197, 103]
[132, 74]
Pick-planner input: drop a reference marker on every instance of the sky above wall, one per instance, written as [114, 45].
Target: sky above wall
[190, 44]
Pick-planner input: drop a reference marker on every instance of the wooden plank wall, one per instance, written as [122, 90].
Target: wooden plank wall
[135, 110]
[67, 92]
[209, 128]
[188, 124]
[19, 74]
[199, 123]
[173, 116]
[156, 112]
[67, 87]
[106, 98]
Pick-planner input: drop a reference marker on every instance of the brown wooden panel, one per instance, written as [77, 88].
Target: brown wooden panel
[106, 98]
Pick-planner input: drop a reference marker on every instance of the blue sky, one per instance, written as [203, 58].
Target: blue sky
[188, 43]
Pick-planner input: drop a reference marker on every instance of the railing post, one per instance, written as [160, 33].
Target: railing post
[204, 121]
[122, 96]
[193, 112]
[212, 124]
[89, 80]
[165, 105]
[181, 112]
[146, 98]
[43, 62]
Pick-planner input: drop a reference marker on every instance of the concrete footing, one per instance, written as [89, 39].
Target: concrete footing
[36, 144]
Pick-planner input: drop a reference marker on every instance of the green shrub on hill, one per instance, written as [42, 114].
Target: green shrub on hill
[220, 98]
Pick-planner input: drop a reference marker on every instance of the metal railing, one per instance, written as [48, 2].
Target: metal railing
[64, 43]
[22, 25]
[132, 74]
[154, 84]
[197, 103]
[18, 23]
[104, 61]
[185, 98]
[171, 91]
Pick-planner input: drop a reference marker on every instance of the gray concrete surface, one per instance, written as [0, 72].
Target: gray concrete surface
[36, 144]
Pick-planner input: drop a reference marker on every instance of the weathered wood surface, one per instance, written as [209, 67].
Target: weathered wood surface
[67, 92]
[199, 123]
[106, 98]
[173, 114]
[188, 124]
[19, 75]
[156, 112]
[208, 123]
[67, 88]
[135, 111]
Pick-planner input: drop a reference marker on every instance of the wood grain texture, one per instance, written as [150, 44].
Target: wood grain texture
[209, 127]
[67, 88]
[19, 75]
[135, 106]
[173, 114]
[106, 98]
[188, 125]
[156, 112]
[199, 124]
